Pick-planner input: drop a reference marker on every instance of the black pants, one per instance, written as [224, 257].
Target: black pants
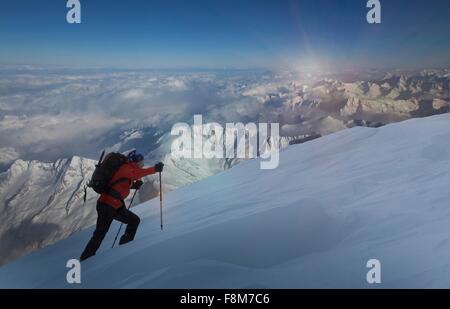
[106, 215]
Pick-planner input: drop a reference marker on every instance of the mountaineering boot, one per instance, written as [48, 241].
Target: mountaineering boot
[126, 238]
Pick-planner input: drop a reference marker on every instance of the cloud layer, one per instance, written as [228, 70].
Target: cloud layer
[46, 115]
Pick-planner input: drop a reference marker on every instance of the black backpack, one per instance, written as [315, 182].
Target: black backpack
[105, 170]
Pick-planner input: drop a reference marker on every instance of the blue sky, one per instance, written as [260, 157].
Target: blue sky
[226, 34]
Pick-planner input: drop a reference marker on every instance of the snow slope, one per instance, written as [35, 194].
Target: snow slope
[42, 203]
[333, 204]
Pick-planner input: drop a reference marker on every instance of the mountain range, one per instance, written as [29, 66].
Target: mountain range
[42, 203]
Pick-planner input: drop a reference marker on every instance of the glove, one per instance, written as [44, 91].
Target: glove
[159, 167]
[137, 185]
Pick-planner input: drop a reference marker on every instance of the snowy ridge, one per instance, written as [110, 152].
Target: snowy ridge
[333, 204]
[395, 98]
[42, 203]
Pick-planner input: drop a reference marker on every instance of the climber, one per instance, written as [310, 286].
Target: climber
[111, 205]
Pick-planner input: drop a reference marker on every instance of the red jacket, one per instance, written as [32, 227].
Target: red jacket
[130, 172]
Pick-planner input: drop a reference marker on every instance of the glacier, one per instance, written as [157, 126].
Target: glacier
[333, 204]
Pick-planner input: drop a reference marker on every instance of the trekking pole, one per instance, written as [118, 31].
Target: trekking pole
[160, 200]
[118, 232]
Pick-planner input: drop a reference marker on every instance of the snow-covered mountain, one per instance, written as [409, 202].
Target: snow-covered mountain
[323, 105]
[333, 204]
[41, 203]
[396, 98]
[304, 107]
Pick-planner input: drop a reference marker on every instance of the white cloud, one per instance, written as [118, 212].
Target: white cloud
[133, 94]
[176, 84]
[60, 114]
[53, 135]
[54, 115]
[8, 155]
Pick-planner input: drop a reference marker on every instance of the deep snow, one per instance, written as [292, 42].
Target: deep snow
[333, 204]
